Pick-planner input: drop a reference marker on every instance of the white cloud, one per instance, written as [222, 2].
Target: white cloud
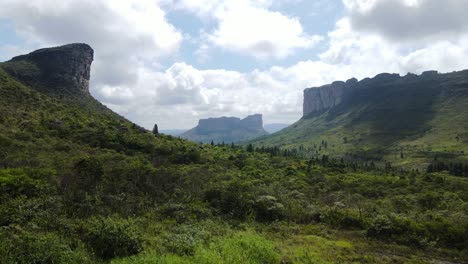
[249, 27]
[189, 94]
[409, 19]
[125, 34]
[179, 96]
[130, 36]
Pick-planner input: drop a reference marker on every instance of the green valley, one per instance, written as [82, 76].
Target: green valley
[81, 184]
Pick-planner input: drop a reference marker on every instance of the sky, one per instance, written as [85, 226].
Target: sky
[173, 62]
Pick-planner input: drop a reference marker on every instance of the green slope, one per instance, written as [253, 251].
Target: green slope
[407, 122]
[80, 184]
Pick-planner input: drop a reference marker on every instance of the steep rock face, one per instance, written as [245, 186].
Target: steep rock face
[319, 99]
[62, 71]
[323, 98]
[226, 129]
[252, 122]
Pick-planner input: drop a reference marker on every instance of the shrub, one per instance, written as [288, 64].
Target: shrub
[23, 247]
[14, 182]
[381, 228]
[233, 201]
[268, 209]
[111, 237]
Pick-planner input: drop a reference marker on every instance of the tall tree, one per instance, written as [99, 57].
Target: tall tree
[155, 129]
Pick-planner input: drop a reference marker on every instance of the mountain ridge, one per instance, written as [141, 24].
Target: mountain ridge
[383, 119]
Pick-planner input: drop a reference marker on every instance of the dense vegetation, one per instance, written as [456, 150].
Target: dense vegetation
[80, 184]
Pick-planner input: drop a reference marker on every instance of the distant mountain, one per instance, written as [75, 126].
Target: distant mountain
[173, 132]
[226, 129]
[273, 128]
[403, 120]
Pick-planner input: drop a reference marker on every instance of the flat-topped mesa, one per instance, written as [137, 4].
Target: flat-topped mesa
[226, 129]
[217, 124]
[62, 71]
[251, 122]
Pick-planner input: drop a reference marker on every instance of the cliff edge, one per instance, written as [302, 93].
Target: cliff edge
[57, 71]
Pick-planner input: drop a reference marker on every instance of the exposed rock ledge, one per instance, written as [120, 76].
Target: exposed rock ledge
[63, 70]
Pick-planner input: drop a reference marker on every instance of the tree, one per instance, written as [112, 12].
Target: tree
[250, 148]
[155, 129]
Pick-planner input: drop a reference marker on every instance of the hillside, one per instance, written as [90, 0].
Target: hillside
[81, 184]
[407, 121]
[226, 130]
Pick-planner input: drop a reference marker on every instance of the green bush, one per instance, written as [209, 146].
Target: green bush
[183, 240]
[23, 247]
[110, 237]
[381, 228]
[233, 201]
[14, 182]
[268, 209]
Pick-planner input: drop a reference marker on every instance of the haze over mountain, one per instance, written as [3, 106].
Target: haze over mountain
[406, 120]
[226, 129]
[273, 128]
[173, 132]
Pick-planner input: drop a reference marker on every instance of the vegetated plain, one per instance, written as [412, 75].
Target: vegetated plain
[80, 184]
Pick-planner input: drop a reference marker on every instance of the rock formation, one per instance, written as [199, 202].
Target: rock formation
[62, 71]
[252, 122]
[323, 98]
[320, 99]
[226, 129]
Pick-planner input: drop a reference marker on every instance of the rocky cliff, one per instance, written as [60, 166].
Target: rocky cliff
[322, 98]
[61, 71]
[226, 129]
[388, 118]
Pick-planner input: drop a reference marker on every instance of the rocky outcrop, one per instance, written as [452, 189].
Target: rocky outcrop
[226, 129]
[252, 122]
[323, 98]
[320, 99]
[63, 71]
